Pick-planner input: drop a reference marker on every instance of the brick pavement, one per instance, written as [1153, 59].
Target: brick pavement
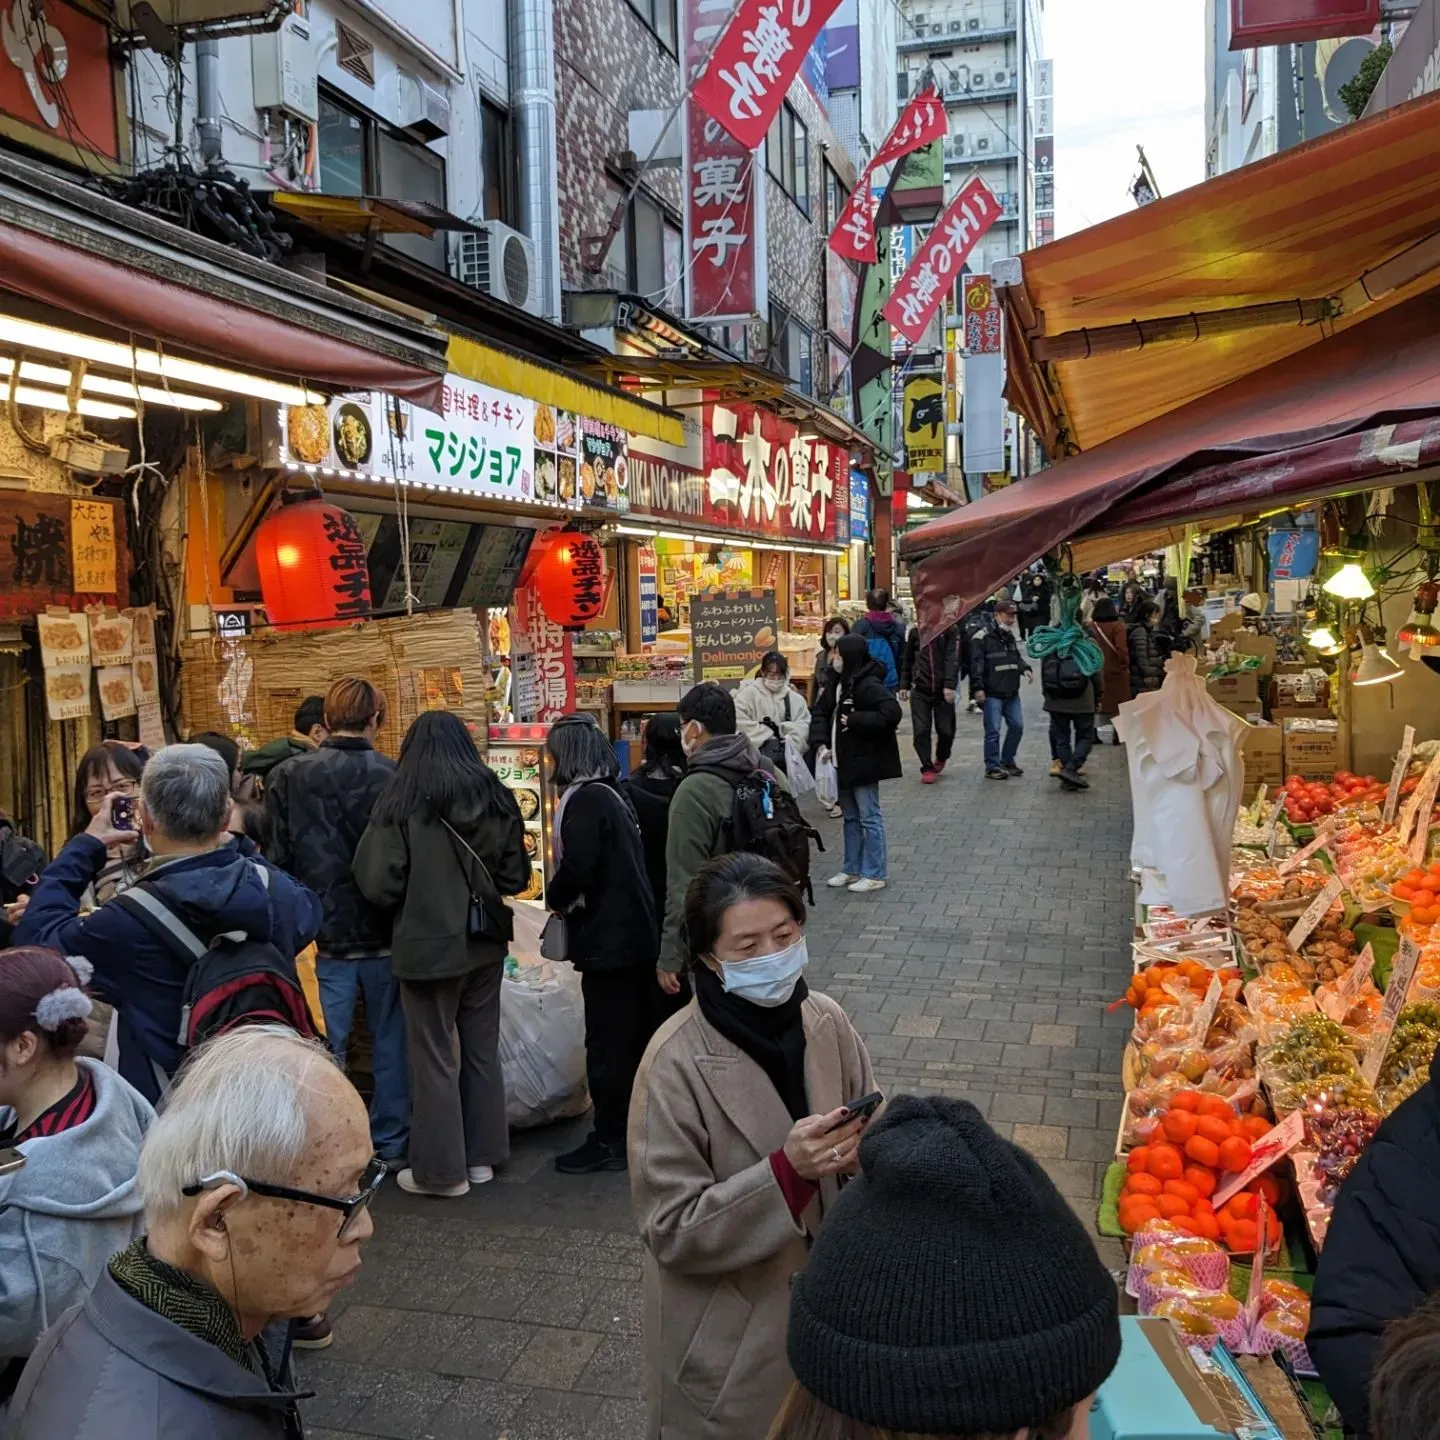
[983, 972]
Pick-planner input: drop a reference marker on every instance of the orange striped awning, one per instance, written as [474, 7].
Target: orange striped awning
[1300, 226]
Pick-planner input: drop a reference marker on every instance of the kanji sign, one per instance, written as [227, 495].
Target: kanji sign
[724, 196]
[924, 425]
[1292, 22]
[39, 542]
[754, 61]
[730, 631]
[982, 316]
[482, 444]
[92, 545]
[922, 121]
[544, 662]
[940, 257]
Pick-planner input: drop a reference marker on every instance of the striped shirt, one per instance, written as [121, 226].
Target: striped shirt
[72, 1109]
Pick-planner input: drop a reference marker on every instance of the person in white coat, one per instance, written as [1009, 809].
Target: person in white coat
[769, 711]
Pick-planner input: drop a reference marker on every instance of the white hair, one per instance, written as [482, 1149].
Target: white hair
[240, 1103]
[186, 790]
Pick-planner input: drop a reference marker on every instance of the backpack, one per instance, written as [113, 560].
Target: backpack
[765, 820]
[21, 862]
[1061, 678]
[883, 653]
[231, 981]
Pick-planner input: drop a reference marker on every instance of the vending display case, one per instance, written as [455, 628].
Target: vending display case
[517, 756]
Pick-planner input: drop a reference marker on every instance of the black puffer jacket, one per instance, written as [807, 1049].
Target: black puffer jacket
[1382, 1253]
[650, 794]
[866, 750]
[996, 664]
[1147, 664]
[931, 668]
[320, 805]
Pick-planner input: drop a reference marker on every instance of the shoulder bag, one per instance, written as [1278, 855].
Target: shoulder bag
[482, 920]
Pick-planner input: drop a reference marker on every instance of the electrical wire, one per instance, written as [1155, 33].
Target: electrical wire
[1069, 640]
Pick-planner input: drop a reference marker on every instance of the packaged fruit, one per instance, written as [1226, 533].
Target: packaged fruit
[1204, 1319]
[1202, 1260]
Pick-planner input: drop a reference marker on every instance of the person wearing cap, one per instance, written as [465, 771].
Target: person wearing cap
[996, 668]
[738, 1137]
[952, 1292]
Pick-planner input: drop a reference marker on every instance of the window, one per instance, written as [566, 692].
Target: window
[659, 15]
[500, 196]
[902, 85]
[835, 197]
[646, 255]
[360, 155]
[792, 348]
[787, 155]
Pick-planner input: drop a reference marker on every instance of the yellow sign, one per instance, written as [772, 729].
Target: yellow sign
[924, 425]
[92, 547]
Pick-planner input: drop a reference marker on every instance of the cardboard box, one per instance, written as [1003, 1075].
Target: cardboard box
[1263, 744]
[1250, 711]
[1315, 753]
[1230, 688]
[1261, 645]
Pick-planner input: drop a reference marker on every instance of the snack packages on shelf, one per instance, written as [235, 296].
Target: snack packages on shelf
[1261, 886]
[1325, 954]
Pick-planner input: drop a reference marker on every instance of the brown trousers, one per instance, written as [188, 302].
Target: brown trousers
[457, 1090]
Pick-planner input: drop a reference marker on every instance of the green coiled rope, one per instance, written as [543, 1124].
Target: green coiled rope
[1069, 638]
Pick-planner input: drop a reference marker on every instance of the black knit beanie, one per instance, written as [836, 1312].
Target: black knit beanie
[951, 1290]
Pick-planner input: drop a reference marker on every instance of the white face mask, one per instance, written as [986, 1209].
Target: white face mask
[767, 980]
[837, 661]
[835, 637]
[776, 684]
[690, 738]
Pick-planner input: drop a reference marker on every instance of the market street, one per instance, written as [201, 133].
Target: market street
[983, 971]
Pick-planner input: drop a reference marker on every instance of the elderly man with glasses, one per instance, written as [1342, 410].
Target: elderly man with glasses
[256, 1181]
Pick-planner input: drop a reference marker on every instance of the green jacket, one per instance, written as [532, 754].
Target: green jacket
[416, 871]
[262, 761]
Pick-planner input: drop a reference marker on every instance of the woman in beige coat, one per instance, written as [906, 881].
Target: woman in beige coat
[738, 1134]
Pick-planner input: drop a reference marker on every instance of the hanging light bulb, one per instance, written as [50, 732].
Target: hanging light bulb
[1418, 633]
[1376, 666]
[1349, 582]
[1322, 638]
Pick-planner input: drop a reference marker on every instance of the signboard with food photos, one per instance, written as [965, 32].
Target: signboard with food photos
[730, 631]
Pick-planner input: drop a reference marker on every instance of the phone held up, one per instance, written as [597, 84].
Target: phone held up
[11, 1160]
[122, 812]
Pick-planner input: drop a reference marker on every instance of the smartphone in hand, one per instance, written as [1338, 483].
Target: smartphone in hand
[122, 812]
[865, 1106]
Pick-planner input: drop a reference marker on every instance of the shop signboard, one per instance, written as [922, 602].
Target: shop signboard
[982, 316]
[730, 631]
[1293, 553]
[859, 505]
[1292, 22]
[924, 425]
[482, 444]
[543, 662]
[452, 563]
[43, 538]
[604, 471]
[649, 595]
[350, 434]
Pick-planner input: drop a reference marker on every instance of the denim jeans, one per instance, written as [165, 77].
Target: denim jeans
[1060, 746]
[864, 831]
[1008, 709]
[341, 983]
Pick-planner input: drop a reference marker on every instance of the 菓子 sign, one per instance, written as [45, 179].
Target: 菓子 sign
[940, 258]
[754, 60]
[724, 197]
[482, 443]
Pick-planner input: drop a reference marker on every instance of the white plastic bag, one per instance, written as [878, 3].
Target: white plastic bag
[1105, 734]
[542, 1045]
[797, 772]
[827, 783]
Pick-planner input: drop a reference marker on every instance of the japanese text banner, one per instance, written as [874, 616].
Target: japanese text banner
[754, 61]
[940, 258]
[922, 121]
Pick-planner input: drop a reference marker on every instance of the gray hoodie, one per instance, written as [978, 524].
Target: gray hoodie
[72, 1206]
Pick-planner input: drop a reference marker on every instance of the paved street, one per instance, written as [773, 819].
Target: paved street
[982, 972]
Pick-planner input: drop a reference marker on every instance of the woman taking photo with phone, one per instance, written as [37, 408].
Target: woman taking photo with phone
[444, 843]
[738, 1138]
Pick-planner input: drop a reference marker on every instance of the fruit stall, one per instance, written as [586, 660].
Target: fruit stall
[1269, 1041]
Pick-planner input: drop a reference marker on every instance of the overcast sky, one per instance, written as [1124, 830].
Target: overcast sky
[1127, 72]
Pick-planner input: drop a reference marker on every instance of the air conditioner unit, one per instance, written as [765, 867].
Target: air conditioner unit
[500, 262]
[1002, 77]
[420, 108]
[977, 80]
[959, 144]
[982, 142]
[973, 22]
[953, 85]
[956, 27]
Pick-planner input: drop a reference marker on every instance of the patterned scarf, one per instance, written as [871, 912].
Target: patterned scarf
[184, 1301]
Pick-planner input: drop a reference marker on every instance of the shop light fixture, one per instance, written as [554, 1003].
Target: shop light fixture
[54, 400]
[1376, 666]
[30, 336]
[636, 530]
[1349, 582]
[1322, 638]
[104, 385]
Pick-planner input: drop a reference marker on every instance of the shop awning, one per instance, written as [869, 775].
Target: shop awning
[1131, 319]
[67, 247]
[507, 370]
[1358, 412]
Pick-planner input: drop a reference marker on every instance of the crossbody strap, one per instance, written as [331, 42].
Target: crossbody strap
[144, 897]
[456, 837]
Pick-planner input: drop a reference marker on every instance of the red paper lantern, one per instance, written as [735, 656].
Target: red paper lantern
[569, 577]
[313, 571]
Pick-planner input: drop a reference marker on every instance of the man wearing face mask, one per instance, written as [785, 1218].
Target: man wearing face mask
[769, 711]
[739, 1135]
[996, 668]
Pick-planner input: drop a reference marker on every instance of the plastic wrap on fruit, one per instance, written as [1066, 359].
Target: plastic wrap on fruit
[1205, 1319]
[1393, 1097]
[1338, 1134]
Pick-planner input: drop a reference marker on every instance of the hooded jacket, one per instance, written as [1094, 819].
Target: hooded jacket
[1382, 1251]
[866, 750]
[885, 625]
[137, 970]
[262, 761]
[698, 813]
[764, 716]
[112, 1369]
[68, 1210]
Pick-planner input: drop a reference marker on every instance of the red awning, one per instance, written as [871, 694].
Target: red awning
[138, 303]
[1356, 411]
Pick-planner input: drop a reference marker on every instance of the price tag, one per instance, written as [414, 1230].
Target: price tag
[1396, 994]
[1255, 1296]
[1270, 1147]
[1322, 838]
[1315, 912]
[1335, 1000]
[1410, 810]
[1425, 803]
[1397, 776]
[1205, 1016]
[1274, 826]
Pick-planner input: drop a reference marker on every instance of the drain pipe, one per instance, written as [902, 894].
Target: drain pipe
[532, 98]
[207, 101]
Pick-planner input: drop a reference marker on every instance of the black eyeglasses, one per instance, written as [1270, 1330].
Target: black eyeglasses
[370, 1182]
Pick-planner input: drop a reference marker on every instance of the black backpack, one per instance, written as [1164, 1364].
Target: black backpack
[765, 820]
[21, 862]
[231, 981]
[1061, 678]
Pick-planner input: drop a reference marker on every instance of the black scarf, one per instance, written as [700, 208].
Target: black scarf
[773, 1036]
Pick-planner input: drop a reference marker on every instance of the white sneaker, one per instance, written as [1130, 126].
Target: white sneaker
[480, 1174]
[838, 882]
[864, 886]
[411, 1186]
